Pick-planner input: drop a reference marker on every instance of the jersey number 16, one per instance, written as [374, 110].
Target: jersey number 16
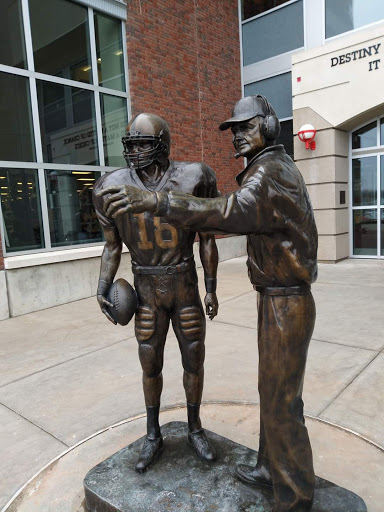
[160, 229]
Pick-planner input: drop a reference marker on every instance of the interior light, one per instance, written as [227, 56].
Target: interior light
[81, 172]
[86, 68]
[20, 191]
[2, 177]
[19, 183]
[119, 52]
[4, 193]
[4, 187]
[99, 59]
[29, 183]
[86, 179]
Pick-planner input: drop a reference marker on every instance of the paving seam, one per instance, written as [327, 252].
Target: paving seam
[349, 346]
[34, 424]
[225, 301]
[166, 409]
[332, 283]
[235, 325]
[351, 382]
[66, 361]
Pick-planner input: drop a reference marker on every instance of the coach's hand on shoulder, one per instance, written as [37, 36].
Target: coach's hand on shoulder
[120, 199]
[211, 305]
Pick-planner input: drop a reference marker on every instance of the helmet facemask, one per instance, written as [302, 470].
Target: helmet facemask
[144, 157]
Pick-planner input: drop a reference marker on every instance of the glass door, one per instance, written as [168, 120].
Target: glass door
[367, 191]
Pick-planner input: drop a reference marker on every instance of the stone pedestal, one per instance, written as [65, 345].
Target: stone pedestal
[179, 482]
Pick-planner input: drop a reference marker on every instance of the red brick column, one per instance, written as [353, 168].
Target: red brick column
[184, 65]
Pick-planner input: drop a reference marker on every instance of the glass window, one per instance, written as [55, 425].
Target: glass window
[344, 15]
[278, 90]
[250, 8]
[16, 133]
[110, 58]
[364, 180]
[12, 46]
[61, 46]
[382, 180]
[272, 34]
[286, 137]
[68, 124]
[72, 218]
[20, 204]
[365, 232]
[114, 121]
[382, 131]
[382, 231]
[365, 137]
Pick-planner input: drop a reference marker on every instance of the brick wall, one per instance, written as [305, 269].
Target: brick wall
[184, 65]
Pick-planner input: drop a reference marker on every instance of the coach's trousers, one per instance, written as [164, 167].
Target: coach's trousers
[285, 326]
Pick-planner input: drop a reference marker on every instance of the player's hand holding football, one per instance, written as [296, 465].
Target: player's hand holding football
[126, 199]
[211, 305]
[102, 298]
[104, 304]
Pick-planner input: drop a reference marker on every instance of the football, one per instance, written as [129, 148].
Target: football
[124, 299]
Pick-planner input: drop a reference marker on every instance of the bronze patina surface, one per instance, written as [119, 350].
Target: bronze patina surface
[179, 482]
[164, 271]
[273, 209]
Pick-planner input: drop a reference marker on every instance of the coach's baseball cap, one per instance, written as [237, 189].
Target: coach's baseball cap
[246, 109]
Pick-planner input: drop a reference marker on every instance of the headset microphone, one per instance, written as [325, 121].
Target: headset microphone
[237, 155]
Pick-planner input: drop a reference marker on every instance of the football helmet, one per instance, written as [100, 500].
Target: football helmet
[147, 140]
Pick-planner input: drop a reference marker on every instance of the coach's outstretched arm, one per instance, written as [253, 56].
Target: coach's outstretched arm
[238, 212]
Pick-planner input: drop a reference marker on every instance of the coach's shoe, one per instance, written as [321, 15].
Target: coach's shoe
[254, 475]
[199, 442]
[150, 451]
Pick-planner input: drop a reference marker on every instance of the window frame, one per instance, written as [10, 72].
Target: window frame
[266, 12]
[273, 66]
[287, 54]
[95, 88]
[372, 151]
[348, 32]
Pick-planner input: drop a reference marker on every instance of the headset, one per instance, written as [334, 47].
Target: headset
[271, 123]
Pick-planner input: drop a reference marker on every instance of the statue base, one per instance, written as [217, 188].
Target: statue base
[179, 482]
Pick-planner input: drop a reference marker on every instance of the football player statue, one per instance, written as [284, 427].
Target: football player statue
[272, 207]
[164, 273]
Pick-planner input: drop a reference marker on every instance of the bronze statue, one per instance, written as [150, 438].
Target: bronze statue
[273, 209]
[164, 272]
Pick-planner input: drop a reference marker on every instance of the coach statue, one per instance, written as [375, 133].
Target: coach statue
[164, 271]
[272, 207]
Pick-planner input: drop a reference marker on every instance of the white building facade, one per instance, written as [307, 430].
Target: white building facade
[322, 65]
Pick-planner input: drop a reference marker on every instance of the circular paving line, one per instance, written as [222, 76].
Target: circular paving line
[340, 455]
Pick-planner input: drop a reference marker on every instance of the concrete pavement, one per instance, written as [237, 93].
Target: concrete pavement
[67, 373]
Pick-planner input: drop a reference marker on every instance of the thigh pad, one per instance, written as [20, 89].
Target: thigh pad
[191, 323]
[145, 323]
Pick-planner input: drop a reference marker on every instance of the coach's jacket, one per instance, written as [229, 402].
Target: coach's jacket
[271, 207]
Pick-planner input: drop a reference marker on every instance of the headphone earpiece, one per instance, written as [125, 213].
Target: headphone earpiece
[271, 127]
[271, 124]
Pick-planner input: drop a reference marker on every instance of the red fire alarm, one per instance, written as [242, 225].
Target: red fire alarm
[307, 134]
